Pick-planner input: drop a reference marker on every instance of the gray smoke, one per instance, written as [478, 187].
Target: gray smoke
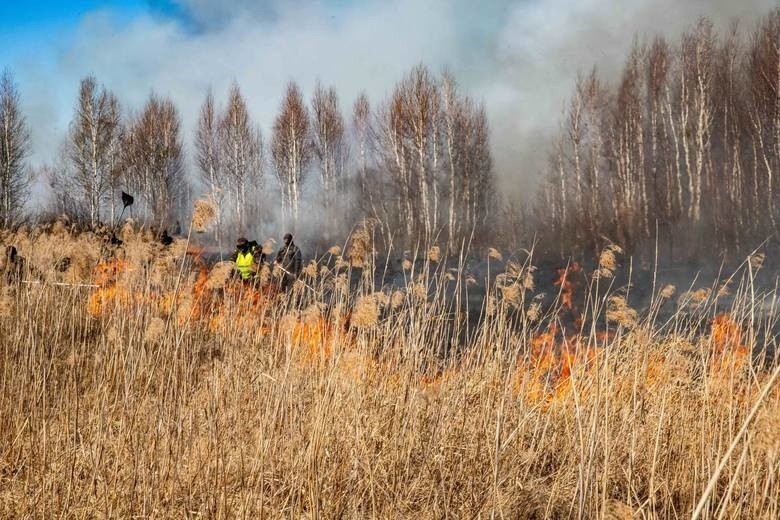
[520, 57]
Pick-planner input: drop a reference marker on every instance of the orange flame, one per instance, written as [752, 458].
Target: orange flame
[107, 275]
[546, 374]
[104, 298]
[567, 284]
[729, 354]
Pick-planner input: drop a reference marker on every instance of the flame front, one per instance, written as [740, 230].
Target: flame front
[729, 354]
[546, 374]
[567, 283]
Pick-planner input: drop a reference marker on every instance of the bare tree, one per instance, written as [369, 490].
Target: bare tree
[208, 159]
[697, 52]
[433, 148]
[627, 153]
[94, 145]
[421, 105]
[291, 149]
[452, 135]
[479, 189]
[658, 64]
[362, 133]
[394, 156]
[64, 196]
[764, 109]
[409, 141]
[14, 146]
[241, 159]
[153, 159]
[328, 136]
[468, 165]
[593, 96]
[729, 117]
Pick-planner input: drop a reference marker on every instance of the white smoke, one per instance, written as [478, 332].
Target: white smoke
[520, 57]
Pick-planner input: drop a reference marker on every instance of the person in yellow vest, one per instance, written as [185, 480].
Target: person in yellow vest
[248, 258]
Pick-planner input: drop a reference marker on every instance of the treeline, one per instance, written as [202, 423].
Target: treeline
[684, 148]
[418, 163]
[682, 151]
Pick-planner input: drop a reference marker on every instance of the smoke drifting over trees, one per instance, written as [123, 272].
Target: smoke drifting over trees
[683, 146]
[330, 148]
[418, 165]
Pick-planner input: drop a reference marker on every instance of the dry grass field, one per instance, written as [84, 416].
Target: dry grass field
[140, 382]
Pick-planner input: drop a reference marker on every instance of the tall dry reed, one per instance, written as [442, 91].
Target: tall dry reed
[148, 398]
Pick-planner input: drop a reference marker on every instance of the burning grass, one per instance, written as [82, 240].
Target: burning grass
[163, 387]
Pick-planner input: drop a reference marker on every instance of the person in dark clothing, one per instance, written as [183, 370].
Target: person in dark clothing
[13, 267]
[165, 238]
[290, 260]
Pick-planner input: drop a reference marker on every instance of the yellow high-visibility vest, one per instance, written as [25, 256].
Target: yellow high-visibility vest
[244, 264]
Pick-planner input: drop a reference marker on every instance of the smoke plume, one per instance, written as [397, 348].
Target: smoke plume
[520, 57]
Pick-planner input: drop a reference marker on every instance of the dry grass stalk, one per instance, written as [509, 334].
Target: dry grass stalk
[95, 422]
[397, 299]
[6, 302]
[512, 294]
[616, 510]
[668, 291]
[757, 261]
[311, 270]
[177, 249]
[495, 253]
[263, 275]
[619, 312]
[341, 283]
[312, 314]
[268, 246]
[366, 312]
[534, 311]
[434, 254]
[608, 261]
[528, 278]
[418, 290]
[154, 331]
[203, 216]
[361, 250]
[219, 275]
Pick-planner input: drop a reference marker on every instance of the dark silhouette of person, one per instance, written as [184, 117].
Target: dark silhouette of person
[290, 260]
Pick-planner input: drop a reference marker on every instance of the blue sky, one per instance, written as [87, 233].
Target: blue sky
[32, 28]
[36, 15]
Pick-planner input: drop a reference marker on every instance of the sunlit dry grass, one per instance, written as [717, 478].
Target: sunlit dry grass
[170, 391]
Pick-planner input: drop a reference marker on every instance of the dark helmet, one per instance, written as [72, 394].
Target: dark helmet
[242, 244]
[288, 239]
